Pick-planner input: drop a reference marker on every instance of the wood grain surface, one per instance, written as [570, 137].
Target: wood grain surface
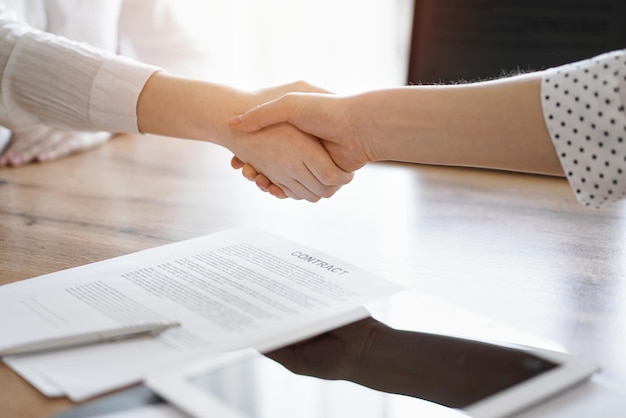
[514, 247]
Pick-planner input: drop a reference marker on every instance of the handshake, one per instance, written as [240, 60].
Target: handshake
[302, 142]
[313, 143]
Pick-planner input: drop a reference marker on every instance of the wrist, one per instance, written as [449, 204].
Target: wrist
[382, 123]
[192, 109]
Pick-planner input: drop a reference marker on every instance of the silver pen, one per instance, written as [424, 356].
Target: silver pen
[91, 337]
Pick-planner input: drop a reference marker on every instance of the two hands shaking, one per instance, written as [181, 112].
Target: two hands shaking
[497, 124]
[327, 119]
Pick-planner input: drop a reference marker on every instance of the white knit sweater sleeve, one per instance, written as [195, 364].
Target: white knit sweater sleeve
[52, 80]
[583, 105]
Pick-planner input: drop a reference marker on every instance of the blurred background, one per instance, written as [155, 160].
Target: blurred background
[342, 45]
[353, 45]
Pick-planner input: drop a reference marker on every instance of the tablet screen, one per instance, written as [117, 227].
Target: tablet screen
[371, 370]
[260, 387]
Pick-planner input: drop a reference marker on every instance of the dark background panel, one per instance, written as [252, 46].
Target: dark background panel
[466, 40]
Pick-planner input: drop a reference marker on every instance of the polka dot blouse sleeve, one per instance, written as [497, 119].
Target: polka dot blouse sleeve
[583, 106]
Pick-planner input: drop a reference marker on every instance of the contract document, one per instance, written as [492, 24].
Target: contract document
[229, 290]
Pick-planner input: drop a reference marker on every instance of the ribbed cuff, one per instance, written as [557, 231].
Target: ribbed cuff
[59, 82]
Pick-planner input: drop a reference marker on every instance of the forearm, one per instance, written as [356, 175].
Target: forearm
[497, 124]
[193, 109]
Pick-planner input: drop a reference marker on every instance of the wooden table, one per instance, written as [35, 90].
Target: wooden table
[514, 247]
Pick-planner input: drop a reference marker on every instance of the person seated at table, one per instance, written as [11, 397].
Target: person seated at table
[64, 85]
[565, 121]
[149, 30]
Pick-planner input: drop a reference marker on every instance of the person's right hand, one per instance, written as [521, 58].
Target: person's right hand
[194, 109]
[327, 117]
[326, 178]
[261, 181]
[295, 161]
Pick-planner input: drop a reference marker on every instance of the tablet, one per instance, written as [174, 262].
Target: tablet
[246, 384]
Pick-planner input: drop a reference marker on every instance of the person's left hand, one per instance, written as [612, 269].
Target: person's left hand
[42, 143]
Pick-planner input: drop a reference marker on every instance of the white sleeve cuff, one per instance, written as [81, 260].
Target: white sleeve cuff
[116, 89]
[52, 80]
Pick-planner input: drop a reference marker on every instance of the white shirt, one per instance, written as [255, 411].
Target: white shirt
[83, 83]
[583, 105]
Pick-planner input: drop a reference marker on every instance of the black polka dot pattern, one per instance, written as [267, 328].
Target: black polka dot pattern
[583, 106]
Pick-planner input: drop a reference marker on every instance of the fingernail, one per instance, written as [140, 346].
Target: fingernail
[235, 120]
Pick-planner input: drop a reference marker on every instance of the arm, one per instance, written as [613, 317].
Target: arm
[54, 81]
[496, 124]
[569, 120]
[94, 24]
[185, 108]
[146, 30]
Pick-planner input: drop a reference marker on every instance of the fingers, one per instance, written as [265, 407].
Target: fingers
[290, 158]
[309, 112]
[276, 191]
[264, 183]
[330, 175]
[303, 173]
[260, 180]
[306, 187]
[71, 143]
[313, 192]
[274, 92]
[42, 143]
[22, 144]
[236, 163]
[304, 87]
[261, 116]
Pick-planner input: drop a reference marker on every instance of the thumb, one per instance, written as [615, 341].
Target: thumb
[263, 115]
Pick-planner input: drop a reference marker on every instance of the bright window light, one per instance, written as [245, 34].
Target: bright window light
[344, 46]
